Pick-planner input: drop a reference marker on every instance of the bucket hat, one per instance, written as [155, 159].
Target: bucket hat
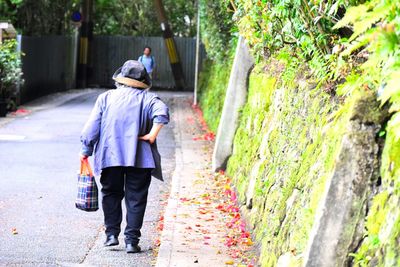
[133, 74]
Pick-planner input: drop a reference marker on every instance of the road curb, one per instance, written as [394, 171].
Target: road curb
[167, 235]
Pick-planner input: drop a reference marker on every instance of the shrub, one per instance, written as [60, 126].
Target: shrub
[10, 70]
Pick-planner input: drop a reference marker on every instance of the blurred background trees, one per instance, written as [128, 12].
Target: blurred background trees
[123, 17]
[39, 17]
[126, 17]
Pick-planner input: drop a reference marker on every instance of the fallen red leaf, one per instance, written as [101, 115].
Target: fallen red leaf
[160, 226]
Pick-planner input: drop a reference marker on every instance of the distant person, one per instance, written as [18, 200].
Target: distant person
[148, 60]
[121, 132]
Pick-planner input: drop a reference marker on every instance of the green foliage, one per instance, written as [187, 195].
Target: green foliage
[376, 26]
[126, 17]
[304, 26]
[213, 83]
[39, 17]
[8, 9]
[217, 34]
[217, 28]
[182, 15]
[10, 69]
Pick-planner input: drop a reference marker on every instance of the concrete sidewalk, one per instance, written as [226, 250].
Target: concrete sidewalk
[192, 234]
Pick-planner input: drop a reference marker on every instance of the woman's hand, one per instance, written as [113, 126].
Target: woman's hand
[83, 157]
[151, 138]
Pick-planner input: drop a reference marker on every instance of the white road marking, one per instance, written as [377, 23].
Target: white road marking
[11, 137]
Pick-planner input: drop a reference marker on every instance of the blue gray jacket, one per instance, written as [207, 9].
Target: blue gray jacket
[117, 119]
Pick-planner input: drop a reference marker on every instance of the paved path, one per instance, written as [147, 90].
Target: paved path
[38, 163]
[194, 230]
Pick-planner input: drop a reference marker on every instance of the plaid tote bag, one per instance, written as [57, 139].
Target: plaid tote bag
[87, 198]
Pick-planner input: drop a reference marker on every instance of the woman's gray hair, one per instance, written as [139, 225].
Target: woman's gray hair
[120, 85]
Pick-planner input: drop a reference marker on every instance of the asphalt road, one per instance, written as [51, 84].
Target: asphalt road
[38, 166]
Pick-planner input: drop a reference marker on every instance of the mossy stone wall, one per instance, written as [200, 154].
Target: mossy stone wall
[286, 148]
[381, 242]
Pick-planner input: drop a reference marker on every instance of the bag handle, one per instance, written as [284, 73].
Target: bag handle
[85, 167]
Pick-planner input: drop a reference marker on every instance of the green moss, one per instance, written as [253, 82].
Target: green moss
[259, 100]
[288, 139]
[213, 83]
[377, 213]
[380, 246]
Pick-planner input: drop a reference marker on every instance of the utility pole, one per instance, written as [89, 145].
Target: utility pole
[85, 37]
[173, 54]
[196, 71]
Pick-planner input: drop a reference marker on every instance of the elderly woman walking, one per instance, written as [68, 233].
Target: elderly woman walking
[122, 131]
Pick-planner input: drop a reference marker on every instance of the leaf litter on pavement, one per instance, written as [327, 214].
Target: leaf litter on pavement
[217, 206]
[217, 222]
[207, 135]
[220, 203]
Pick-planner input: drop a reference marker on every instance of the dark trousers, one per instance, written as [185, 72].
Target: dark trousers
[135, 182]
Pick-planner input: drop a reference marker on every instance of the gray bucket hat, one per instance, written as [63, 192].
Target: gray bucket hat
[133, 74]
